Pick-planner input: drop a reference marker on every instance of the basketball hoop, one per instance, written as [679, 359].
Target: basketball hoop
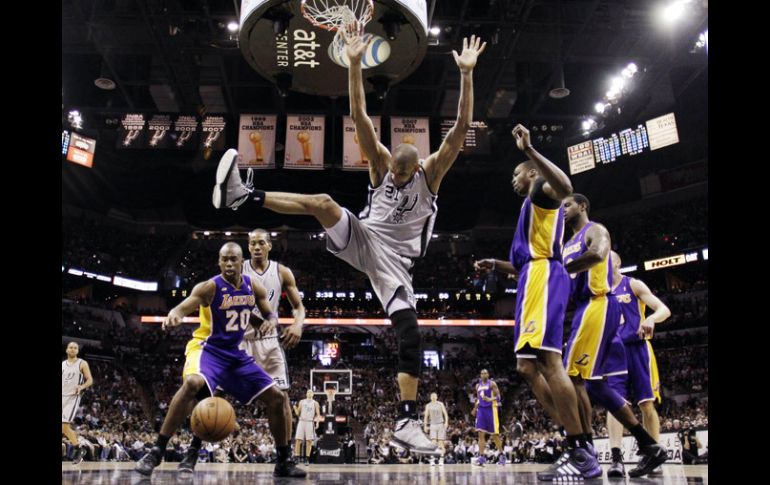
[337, 15]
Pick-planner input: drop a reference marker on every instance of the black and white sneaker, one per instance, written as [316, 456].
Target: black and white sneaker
[410, 436]
[616, 470]
[148, 462]
[187, 465]
[80, 453]
[230, 191]
[652, 457]
[288, 469]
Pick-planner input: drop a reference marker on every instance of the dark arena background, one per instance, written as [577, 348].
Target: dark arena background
[615, 93]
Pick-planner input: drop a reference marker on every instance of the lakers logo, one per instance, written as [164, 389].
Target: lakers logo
[623, 298]
[530, 327]
[583, 360]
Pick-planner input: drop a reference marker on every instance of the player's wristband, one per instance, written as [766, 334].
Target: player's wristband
[272, 315]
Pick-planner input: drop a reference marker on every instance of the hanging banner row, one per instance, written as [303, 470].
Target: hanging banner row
[304, 143]
[304, 147]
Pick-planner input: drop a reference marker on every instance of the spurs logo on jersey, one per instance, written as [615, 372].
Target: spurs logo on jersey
[402, 217]
[307, 410]
[71, 377]
[271, 280]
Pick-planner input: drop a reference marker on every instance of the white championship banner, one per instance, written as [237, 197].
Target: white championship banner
[352, 156]
[256, 141]
[304, 142]
[410, 130]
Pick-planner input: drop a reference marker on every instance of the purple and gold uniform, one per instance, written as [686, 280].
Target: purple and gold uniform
[593, 350]
[486, 414]
[213, 351]
[642, 380]
[543, 288]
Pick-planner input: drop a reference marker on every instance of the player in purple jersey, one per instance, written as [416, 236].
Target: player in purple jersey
[541, 300]
[486, 412]
[642, 380]
[594, 352]
[212, 356]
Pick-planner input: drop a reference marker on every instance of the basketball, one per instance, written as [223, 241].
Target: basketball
[213, 419]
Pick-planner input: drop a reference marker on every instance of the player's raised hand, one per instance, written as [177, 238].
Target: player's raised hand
[521, 135]
[356, 41]
[466, 60]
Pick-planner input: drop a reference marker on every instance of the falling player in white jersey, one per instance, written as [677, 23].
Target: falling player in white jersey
[75, 378]
[435, 422]
[309, 413]
[392, 231]
[265, 349]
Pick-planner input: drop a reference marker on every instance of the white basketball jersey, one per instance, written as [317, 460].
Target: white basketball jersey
[271, 280]
[435, 413]
[402, 216]
[71, 377]
[307, 410]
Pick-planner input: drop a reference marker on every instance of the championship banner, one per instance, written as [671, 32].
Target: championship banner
[304, 142]
[185, 132]
[213, 132]
[131, 132]
[158, 131]
[256, 141]
[352, 156]
[410, 130]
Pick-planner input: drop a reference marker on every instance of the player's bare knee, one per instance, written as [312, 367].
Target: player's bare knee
[192, 385]
[273, 399]
[527, 368]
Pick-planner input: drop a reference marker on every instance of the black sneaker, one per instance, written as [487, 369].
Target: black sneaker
[616, 470]
[187, 465]
[288, 469]
[580, 464]
[652, 457]
[80, 453]
[149, 461]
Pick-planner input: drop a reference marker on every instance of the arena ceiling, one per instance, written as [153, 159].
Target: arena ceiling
[177, 56]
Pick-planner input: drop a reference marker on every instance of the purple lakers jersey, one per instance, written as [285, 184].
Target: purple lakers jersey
[538, 235]
[483, 389]
[597, 280]
[632, 309]
[225, 320]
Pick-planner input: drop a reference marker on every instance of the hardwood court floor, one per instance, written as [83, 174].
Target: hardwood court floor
[105, 473]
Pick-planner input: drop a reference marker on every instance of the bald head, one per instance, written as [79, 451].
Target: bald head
[405, 161]
[231, 247]
[231, 261]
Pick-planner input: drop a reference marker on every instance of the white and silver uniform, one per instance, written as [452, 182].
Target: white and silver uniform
[394, 228]
[306, 425]
[266, 349]
[71, 378]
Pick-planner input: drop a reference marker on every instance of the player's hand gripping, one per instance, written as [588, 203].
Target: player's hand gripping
[356, 41]
[291, 336]
[646, 329]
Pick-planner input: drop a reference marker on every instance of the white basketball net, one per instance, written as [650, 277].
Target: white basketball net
[337, 14]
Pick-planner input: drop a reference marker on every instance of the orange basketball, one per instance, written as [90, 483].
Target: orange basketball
[213, 419]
